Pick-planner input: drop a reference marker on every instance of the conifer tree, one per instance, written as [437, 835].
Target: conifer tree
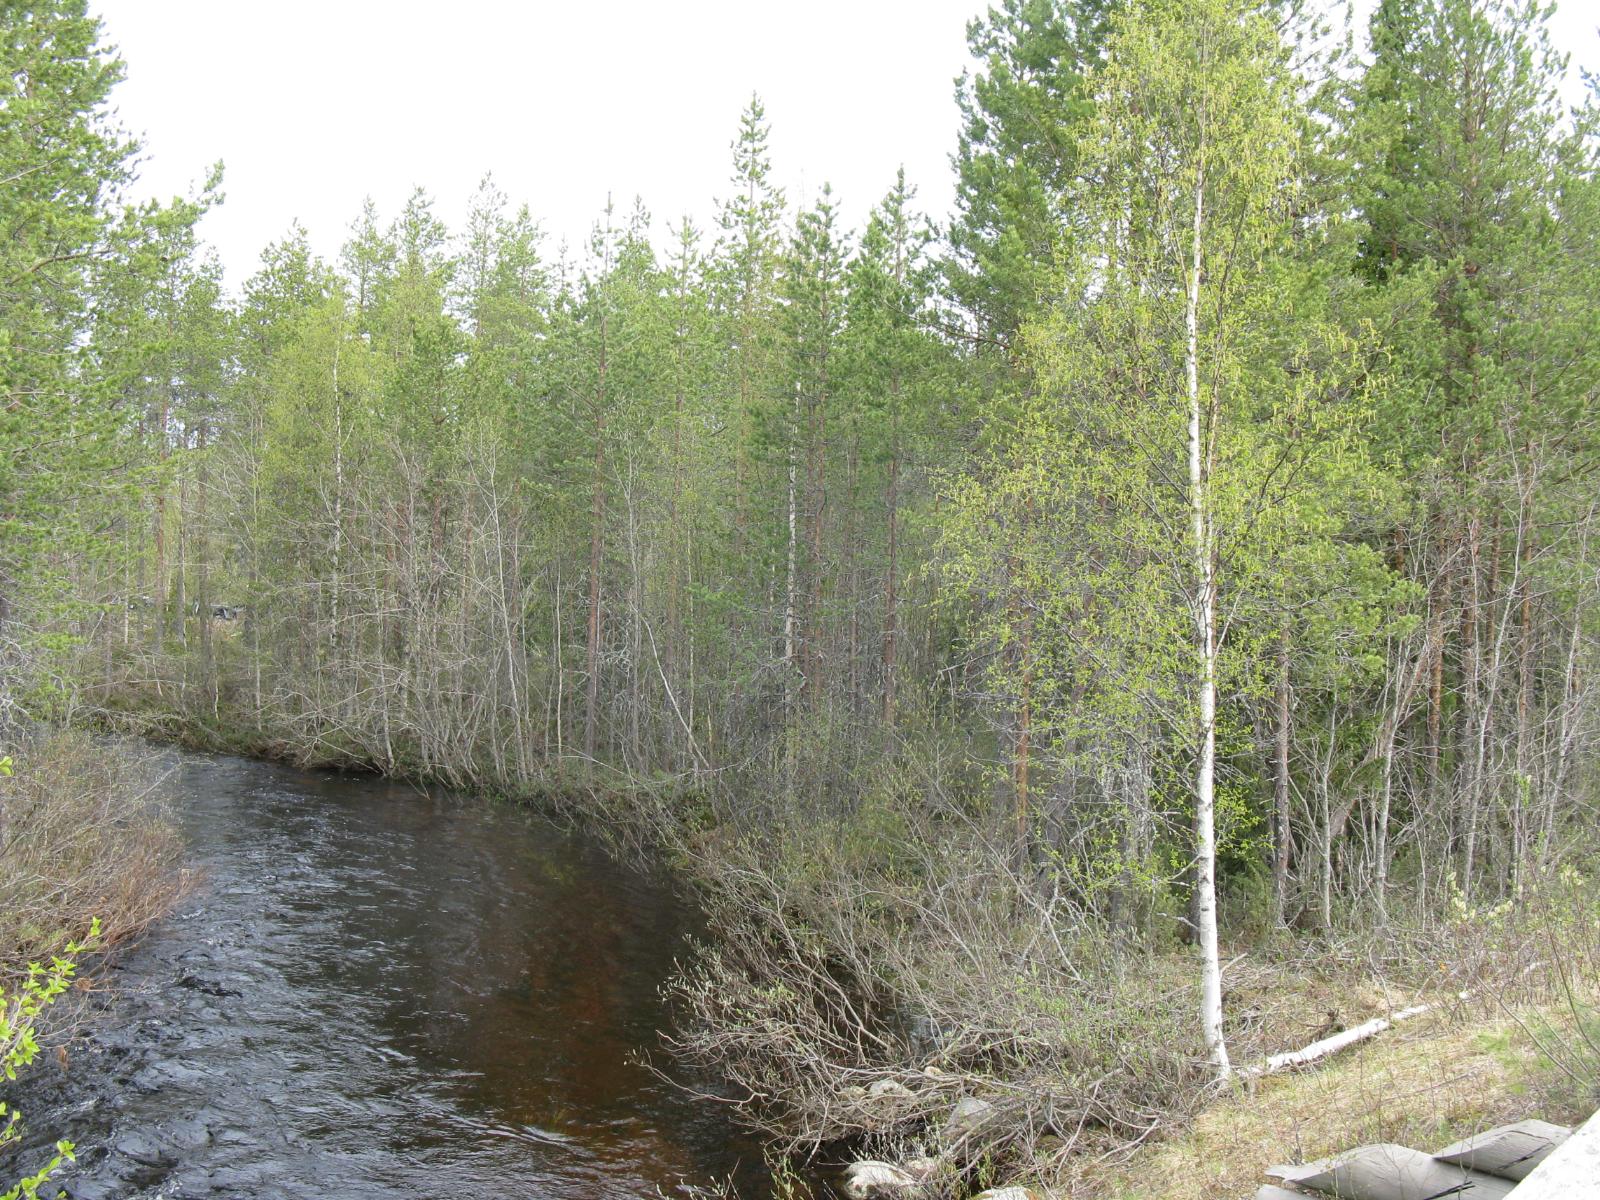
[1016, 154]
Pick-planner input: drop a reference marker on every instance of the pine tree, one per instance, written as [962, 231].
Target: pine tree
[1016, 155]
[66, 162]
[1464, 170]
[893, 369]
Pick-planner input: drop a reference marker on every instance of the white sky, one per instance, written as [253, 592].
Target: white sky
[315, 104]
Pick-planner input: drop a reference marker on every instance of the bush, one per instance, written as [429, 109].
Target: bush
[868, 975]
[82, 835]
[20, 1009]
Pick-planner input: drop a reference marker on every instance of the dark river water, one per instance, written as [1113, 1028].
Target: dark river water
[375, 991]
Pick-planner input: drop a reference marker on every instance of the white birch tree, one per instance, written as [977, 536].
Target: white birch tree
[1196, 408]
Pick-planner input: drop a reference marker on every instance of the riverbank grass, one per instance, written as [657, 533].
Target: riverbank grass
[1440, 1078]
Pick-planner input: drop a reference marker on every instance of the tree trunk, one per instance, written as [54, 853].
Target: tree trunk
[1280, 808]
[1205, 628]
[790, 601]
[891, 504]
[597, 529]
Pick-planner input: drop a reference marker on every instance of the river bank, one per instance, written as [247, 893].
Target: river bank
[350, 995]
[872, 966]
[85, 835]
[1448, 1076]
[376, 987]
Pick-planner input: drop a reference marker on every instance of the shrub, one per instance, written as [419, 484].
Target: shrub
[82, 835]
[20, 1010]
[867, 976]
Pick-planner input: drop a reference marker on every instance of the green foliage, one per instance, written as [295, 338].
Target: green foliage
[1022, 113]
[777, 515]
[1073, 528]
[875, 563]
[21, 1006]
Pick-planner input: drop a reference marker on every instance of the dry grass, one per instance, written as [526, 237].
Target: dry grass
[1426, 1084]
[82, 835]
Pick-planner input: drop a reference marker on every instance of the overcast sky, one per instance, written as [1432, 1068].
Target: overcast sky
[315, 104]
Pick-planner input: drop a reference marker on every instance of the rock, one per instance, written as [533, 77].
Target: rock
[209, 987]
[968, 1116]
[142, 1149]
[188, 1133]
[889, 1087]
[873, 1180]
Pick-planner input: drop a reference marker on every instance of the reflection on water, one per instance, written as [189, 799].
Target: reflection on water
[380, 992]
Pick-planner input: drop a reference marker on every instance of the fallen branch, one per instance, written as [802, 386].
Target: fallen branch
[1338, 1041]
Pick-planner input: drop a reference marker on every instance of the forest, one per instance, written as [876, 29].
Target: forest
[1038, 635]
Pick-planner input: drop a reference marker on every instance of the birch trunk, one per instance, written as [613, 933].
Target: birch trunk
[1280, 832]
[1205, 617]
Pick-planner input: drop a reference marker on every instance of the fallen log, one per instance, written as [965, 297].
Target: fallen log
[1336, 1042]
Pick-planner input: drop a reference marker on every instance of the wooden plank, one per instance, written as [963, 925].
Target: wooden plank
[1571, 1171]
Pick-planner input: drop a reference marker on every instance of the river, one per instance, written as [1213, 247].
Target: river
[375, 990]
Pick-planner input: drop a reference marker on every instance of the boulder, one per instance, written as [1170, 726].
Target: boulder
[968, 1116]
[870, 1179]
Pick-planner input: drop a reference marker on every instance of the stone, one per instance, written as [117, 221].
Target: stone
[968, 1116]
[889, 1087]
[870, 1179]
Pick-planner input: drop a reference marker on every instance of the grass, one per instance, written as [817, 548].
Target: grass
[1425, 1084]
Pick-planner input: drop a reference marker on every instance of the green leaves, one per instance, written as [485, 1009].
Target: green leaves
[20, 1009]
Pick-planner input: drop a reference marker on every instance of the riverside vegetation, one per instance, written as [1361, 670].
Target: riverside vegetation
[1072, 652]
